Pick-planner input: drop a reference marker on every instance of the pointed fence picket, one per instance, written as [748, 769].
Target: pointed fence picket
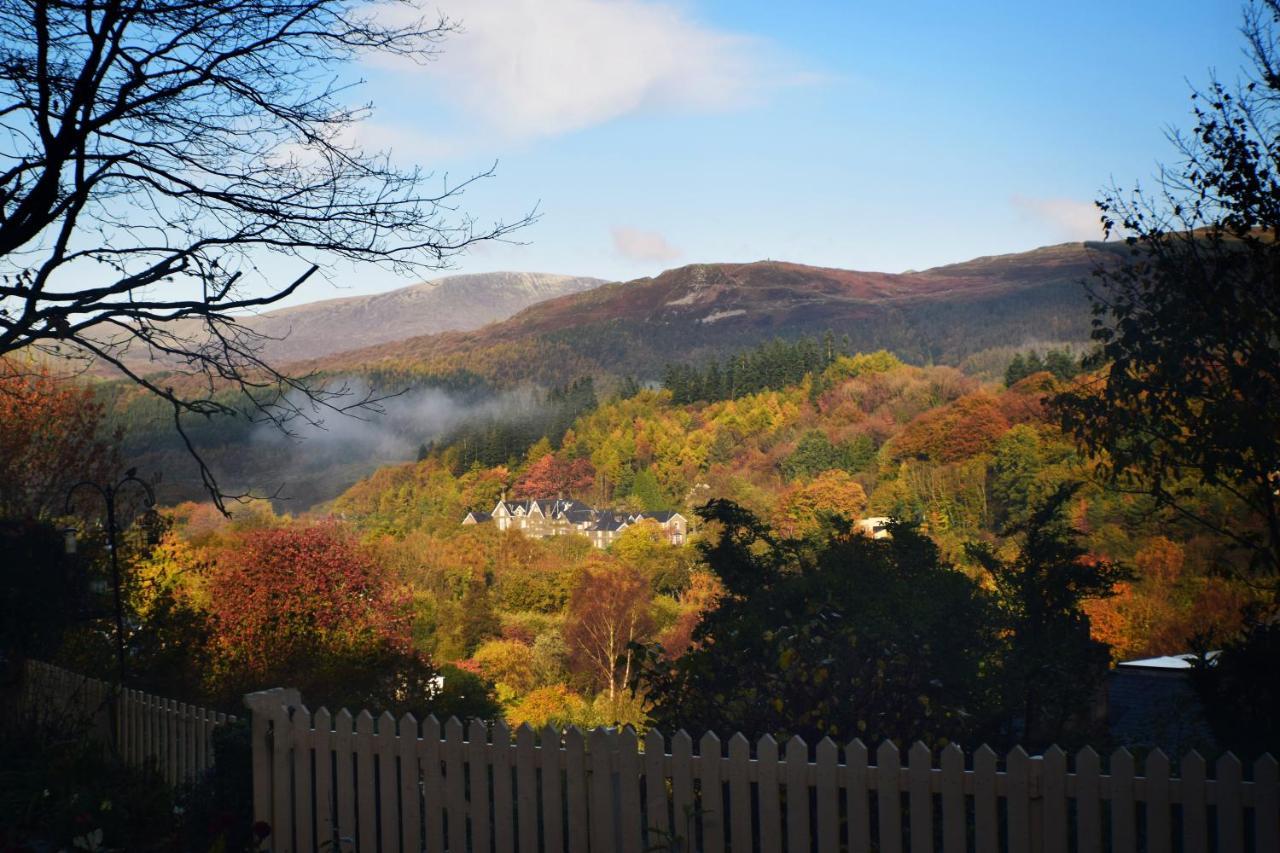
[172, 738]
[410, 786]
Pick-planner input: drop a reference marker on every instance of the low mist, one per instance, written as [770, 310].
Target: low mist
[329, 451]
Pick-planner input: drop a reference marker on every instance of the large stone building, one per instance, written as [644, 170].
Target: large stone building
[559, 517]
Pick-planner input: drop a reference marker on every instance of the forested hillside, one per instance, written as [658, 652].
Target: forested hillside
[695, 312]
[855, 436]
[499, 379]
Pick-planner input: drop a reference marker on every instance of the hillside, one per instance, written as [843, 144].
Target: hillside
[687, 314]
[454, 303]
[867, 436]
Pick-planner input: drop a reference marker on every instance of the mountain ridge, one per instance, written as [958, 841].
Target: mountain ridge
[452, 303]
[695, 311]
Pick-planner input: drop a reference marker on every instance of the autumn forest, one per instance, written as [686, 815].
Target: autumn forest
[1029, 500]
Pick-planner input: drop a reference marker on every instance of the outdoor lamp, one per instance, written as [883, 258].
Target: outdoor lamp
[68, 540]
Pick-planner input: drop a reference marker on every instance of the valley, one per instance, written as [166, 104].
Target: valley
[974, 315]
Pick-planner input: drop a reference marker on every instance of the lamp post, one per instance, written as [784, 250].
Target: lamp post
[108, 493]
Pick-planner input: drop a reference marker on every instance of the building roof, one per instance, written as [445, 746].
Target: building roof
[1166, 661]
[661, 516]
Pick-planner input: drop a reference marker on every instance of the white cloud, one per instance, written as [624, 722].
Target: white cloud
[542, 67]
[1073, 219]
[638, 245]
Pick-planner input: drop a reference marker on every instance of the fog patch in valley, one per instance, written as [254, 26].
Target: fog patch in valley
[327, 451]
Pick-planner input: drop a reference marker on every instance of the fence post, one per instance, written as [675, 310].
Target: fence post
[1035, 811]
[264, 707]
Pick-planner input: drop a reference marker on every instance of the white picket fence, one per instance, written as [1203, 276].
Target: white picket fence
[173, 737]
[338, 782]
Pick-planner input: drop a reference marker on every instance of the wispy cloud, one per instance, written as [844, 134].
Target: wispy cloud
[635, 244]
[531, 68]
[1073, 219]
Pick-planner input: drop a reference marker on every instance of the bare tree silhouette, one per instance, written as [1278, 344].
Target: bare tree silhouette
[152, 153]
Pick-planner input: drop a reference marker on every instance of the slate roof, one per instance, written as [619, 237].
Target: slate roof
[661, 516]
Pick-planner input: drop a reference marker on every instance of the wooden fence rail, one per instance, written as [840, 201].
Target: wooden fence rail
[148, 731]
[343, 782]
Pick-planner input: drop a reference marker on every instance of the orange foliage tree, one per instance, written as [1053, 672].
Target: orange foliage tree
[801, 508]
[703, 593]
[609, 610]
[967, 427]
[51, 436]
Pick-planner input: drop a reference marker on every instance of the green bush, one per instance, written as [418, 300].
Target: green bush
[58, 785]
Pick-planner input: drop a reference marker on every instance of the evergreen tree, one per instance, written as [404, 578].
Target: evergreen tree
[849, 637]
[647, 493]
[1016, 371]
[1052, 667]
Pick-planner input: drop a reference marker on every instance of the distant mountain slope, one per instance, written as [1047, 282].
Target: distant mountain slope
[690, 313]
[453, 303]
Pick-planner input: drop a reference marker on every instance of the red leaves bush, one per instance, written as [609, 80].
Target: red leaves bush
[300, 598]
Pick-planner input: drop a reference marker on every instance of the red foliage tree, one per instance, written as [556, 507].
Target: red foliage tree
[306, 606]
[51, 436]
[967, 427]
[551, 476]
[1024, 401]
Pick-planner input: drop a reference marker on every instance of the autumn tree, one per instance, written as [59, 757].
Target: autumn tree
[554, 705]
[646, 546]
[702, 594]
[51, 436]
[509, 664]
[155, 155]
[305, 605]
[609, 611]
[551, 477]
[968, 426]
[474, 619]
[803, 507]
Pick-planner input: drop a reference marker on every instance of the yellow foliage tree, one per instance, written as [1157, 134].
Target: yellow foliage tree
[801, 508]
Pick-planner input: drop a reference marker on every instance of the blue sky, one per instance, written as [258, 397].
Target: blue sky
[860, 134]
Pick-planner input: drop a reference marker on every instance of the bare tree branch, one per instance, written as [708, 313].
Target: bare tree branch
[151, 153]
